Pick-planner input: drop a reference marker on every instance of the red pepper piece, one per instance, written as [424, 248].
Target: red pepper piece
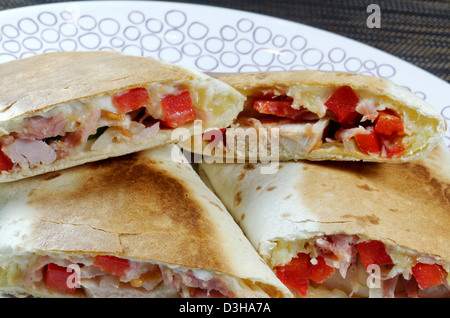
[368, 143]
[295, 274]
[373, 252]
[321, 271]
[388, 123]
[279, 108]
[132, 99]
[299, 271]
[177, 109]
[343, 104]
[111, 264]
[428, 275]
[55, 277]
[5, 163]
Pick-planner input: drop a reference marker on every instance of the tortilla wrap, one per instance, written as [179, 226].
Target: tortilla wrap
[317, 133]
[405, 206]
[142, 207]
[48, 96]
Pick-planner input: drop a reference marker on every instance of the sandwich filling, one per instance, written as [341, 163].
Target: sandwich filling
[111, 276]
[358, 267]
[311, 118]
[93, 124]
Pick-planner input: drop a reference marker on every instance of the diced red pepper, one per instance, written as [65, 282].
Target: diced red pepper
[394, 151]
[55, 277]
[5, 163]
[392, 145]
[295, 274]
[368, 143]
[280, 108]
[388, 123]
[373, 252]
[177, 109]
[321, 271]
[343, 104]
[299, 271]
[132, 99]
[211, 135]
[112, 264]
[428, 275]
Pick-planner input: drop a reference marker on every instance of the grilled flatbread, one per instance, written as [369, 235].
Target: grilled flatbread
[318, 115]
[63, 109]
[139, 225]
[346, 229]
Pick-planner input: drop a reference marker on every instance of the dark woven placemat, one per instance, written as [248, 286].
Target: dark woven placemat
[415, 31]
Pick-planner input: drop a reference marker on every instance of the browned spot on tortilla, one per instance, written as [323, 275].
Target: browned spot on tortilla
[237, 198]
[51, 175]
[249, 166]
[393, 210]
[287, 197]
[366, 187]
[365, 219]
[242, 216]
[144, 204]
[271, 188]
[218, 206]
[286, 215]
[258, 188]
[241, 176]
[261, 76]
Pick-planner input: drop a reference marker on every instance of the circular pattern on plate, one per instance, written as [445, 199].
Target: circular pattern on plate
[174, 36]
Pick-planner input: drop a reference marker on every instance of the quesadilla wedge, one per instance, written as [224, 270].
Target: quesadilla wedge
[335, 229]
[139, 225]
[323, 115]
[63, 109]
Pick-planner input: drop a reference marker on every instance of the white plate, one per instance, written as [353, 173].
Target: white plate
[208, 38]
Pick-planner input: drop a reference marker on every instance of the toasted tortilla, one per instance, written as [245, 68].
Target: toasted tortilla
[143, 207]
[41, 85]
[424, 127]
[406, 206]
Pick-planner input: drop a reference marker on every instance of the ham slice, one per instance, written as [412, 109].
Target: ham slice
[346, 134]
[85, 129]
[339, 251]
[78, 137]
[366, 107]
[188, 284]
[27, 147]
[29, 153]
[38, 127]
